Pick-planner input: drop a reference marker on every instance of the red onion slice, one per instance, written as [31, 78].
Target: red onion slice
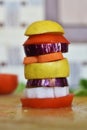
[41, 49]
[47, 82]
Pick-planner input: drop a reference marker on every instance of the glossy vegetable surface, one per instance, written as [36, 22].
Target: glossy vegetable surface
[43, 26]
[46, 92]
[61, 82]
[43, 58]
[41, 49]
[54, 69]
[59, 102]
[46, 38]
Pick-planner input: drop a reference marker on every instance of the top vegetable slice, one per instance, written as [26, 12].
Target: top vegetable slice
[44, 26]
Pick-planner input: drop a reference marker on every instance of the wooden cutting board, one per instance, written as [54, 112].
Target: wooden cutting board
[14, 117]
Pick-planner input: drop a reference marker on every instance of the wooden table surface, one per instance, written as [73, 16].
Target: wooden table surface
[14, 117]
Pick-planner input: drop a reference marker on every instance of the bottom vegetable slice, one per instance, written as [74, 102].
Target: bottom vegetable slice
[59, 102]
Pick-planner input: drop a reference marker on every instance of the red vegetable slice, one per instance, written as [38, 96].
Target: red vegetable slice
[59, 102]
[46, 38]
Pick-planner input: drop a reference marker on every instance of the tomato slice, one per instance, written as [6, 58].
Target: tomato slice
[59, 102]
[46, 38]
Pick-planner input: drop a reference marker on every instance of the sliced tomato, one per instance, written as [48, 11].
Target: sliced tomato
[59, 102]
[46, 38]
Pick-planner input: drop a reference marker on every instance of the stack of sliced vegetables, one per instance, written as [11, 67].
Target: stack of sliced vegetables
[45, 68]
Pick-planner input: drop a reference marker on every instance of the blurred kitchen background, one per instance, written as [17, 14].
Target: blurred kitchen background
[16, 15]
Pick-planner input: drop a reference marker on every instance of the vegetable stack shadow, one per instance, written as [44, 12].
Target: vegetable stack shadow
[45, 68]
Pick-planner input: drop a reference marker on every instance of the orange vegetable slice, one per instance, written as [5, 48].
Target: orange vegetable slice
[30, 60]
[50, 57]
[43, 58]
[59, 102]
[46, 38]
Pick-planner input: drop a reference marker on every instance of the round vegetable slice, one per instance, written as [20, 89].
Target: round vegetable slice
[53, 69]
[46, 38]
[30, 60]
[44, 26]
[42, 49]
[50, 57]
[65, 101]
[46, 92]
[43, 58]
[49, 82]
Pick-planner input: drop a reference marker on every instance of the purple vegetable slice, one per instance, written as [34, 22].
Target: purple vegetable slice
[53, 82]
[41, 49]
